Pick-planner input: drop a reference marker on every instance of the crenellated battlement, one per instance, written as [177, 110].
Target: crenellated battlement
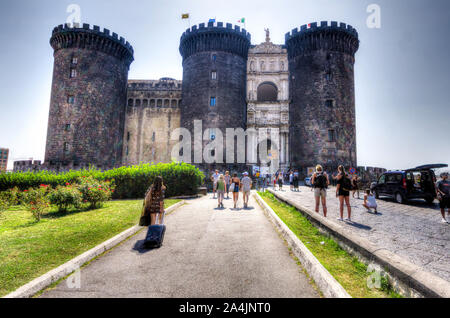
[215, 37]
[332, 36]
[91, 37]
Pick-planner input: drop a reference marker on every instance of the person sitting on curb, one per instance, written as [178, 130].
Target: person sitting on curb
[370, 202]
[320, 182]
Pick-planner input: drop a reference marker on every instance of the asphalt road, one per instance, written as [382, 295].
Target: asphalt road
[207, 252]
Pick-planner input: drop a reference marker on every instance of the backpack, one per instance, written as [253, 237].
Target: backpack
[346, 183]
[320, 181]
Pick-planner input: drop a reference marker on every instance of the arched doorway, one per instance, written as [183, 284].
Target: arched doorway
[267, 92]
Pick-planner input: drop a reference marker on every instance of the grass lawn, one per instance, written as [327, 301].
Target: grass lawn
[346, 269]
[29, 249]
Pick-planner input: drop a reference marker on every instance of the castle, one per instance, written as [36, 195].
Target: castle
[299, 97]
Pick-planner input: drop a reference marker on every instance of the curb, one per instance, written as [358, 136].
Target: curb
[410, 279]
[327, 284]
[37, 284]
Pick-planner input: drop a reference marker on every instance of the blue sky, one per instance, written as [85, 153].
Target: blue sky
[401, 72]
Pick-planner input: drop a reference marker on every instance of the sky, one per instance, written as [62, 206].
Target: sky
[401, 71]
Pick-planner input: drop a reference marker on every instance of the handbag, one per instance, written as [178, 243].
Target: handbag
[232, 187]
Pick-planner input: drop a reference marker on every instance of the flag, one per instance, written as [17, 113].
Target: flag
[309, 25]
[185, 16]
[212, 20]
[242, 20]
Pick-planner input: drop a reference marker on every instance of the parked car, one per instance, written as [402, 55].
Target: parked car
[403, 185]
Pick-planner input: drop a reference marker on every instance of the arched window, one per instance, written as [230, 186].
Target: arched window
[138, 102]
[145, 103]
[152, 103]
[166, 103]
[130, 102]
[174, 103]
[267, 92]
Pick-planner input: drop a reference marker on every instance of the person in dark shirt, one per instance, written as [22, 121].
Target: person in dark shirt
[443, 194]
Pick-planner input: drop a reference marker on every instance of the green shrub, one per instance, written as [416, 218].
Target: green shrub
[95, 192]
[130, 182]
[36, 201]
[65, 197]
[10, 196]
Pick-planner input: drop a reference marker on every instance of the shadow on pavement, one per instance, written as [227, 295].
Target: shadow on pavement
[140, 248]
[359, 225]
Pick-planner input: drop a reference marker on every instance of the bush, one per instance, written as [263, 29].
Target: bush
[36, 201]
[130, 182]
[95, 192]
[65, 197]
[11, 196]
[4, 203]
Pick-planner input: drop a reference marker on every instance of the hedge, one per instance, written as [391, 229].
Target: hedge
[130, 182]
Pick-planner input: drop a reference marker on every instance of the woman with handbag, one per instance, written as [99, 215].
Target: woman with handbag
[153, 208]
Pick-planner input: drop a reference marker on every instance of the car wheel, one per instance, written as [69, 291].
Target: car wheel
[399, 198]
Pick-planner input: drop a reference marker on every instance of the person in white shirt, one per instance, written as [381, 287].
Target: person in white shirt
[370, 202]
[214, 179]
[246, 186]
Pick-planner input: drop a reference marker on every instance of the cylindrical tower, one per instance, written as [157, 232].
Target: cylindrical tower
[322, 108]
[88, 98]
[214, 78]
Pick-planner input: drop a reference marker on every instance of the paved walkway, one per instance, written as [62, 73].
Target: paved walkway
[207, 252]
[410, 230]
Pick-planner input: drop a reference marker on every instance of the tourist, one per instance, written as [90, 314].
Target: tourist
[370, 202]
[227, 179]
[291, 180]
[246, 186]
[355, 188]
[275, 177]
[320, 182]
[153, 204]
[443, 195]
[214, 179]
[221, 186]
[343, 189]
[280, 181]
[235, 185]
[296, 180]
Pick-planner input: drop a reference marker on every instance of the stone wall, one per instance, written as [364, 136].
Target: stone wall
[214, 67]
[88, 98]
[152, 114]
[322, 109]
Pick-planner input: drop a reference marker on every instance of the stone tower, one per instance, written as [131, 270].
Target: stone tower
[214, 80]
[321, 83]
[88, 98]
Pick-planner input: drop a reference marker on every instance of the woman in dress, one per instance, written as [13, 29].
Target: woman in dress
[153, 203]
[235, 184]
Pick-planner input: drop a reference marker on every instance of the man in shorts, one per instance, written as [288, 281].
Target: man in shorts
[443, 194]
[214, 179]
[246, 186]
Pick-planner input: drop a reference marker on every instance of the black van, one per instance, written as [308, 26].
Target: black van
[403, 185]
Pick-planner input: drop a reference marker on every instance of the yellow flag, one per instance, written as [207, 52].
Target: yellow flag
[185, 16]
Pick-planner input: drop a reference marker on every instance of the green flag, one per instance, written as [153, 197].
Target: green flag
[242, 20]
